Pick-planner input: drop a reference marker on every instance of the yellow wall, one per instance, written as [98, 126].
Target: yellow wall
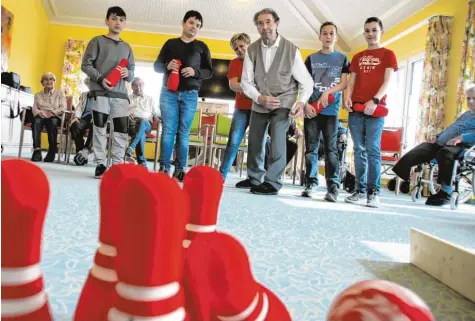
[30, 34]
[414, 43]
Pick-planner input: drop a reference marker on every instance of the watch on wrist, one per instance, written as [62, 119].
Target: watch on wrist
[376, 100]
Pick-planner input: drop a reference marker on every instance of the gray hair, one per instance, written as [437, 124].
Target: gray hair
[46, 75]
[264, 11]
[136, 79]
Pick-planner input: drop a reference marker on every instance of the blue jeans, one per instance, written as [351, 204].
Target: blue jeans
[236, 133]
[138, 143]
[178, 110]
[366, 135]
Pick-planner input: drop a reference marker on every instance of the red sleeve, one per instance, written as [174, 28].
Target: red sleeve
[391, 60]
[354, 65]
[234, 70]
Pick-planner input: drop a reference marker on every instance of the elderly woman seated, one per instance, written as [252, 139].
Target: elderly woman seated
[47, 109]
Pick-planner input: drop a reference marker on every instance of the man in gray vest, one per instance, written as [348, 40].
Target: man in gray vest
[273, 75]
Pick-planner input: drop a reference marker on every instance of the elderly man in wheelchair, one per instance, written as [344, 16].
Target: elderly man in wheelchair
[447, 147]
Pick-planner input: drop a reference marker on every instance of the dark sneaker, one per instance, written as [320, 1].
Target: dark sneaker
[310, 190]
[264, 189]
[162, 169]
[332, 194]
[356, 198]
[49, 158]
[245, 184]
[179, 175]
[100, 170]
[439, 199]
[373, 200]
[79, 159]
[37, 156]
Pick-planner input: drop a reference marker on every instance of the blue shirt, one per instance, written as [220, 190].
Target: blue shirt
[87, 109]
[326, 71]
[464, 126]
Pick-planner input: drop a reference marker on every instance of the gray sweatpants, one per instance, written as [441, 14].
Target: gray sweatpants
[115, 108]
[278, 122]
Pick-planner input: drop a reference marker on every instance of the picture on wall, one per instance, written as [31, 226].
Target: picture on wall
[7, 32]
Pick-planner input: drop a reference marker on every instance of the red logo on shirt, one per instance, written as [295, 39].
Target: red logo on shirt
[369, 63]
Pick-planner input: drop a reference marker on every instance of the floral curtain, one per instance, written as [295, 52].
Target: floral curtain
[467, 72]
[434, 82]
[71, 78]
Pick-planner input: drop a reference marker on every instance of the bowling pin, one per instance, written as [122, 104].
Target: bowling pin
[220, 285]
[152, 215]
[102, 277]
[204, 186]
[25, 198]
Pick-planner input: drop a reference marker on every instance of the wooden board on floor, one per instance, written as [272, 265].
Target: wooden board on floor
[449, 263]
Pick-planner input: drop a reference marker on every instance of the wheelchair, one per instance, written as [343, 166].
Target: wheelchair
[463, 178]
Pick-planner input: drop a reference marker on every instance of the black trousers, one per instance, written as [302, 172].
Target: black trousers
[51, 125]
[78, 129]
[291, 150]
[425, 152]
[313, 128]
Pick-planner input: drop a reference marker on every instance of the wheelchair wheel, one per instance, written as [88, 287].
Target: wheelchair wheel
[404, 187]
[416, 194]
[454, 200]
[434, 186]
[473, 182]
[391, 184]
[465, 189]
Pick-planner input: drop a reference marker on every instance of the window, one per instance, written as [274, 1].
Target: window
[396, 94]
[403, 98]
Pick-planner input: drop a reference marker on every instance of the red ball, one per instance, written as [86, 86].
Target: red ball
[378, 300]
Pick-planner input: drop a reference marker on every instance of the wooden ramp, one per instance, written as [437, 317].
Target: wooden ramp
[451, 264]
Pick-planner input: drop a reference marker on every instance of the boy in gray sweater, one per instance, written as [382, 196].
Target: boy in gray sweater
[103, 55]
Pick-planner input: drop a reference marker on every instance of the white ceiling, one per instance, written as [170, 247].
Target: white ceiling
[300, 19]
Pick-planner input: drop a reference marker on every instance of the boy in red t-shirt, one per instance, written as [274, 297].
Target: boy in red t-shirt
[371, 71]
[243, 105]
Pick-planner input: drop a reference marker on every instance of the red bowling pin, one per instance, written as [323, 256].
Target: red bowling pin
[174, 78]
[318, 106]
[25, 197]
[204, 186]
[380, 110]
[220, 285]
[152, 215]
[99, 289]
[114, 76]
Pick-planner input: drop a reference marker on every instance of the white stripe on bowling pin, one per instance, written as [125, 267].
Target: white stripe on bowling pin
[247, 312]
[147, 294]
[198, 229]
[20, 275]
[102, 273]
[107, 250]
[142, 293]
[19, 307]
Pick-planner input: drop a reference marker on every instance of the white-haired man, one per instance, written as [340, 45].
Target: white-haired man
[445, 147]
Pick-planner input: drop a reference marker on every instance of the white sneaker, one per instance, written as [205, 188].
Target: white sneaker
[373, 200]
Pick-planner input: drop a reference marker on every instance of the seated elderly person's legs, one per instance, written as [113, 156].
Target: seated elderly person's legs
[420, 154]
[36, 127]
[446, 157]
[78, 130]
[141, 128]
